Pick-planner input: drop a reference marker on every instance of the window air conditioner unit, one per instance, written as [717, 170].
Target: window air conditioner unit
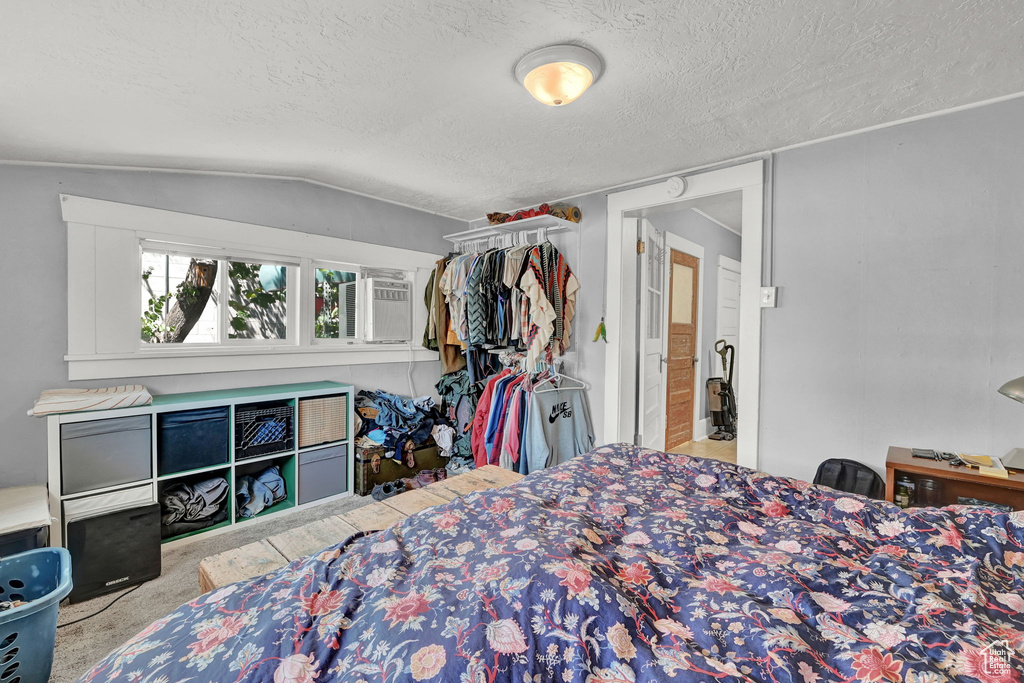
[389, 310]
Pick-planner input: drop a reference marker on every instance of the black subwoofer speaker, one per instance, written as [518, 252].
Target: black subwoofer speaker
[113, 550]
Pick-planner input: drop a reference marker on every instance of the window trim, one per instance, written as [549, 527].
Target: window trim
[104, 297]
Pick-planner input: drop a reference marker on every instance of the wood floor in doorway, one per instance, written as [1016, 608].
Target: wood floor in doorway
[706, 448]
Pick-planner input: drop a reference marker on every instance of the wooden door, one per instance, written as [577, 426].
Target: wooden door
[683, 295]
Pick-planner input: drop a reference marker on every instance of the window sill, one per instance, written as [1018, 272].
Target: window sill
[220, 359]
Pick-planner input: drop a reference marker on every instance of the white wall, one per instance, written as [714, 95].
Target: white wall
[898, 254]
[33, 263]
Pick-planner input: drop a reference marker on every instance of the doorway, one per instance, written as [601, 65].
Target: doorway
[630, 356]
[671, 311]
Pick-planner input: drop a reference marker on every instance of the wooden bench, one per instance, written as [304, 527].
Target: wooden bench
[263, 557]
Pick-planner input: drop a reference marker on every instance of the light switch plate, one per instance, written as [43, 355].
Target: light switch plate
[769, 297]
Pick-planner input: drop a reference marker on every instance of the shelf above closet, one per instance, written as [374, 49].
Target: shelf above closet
[550, 223]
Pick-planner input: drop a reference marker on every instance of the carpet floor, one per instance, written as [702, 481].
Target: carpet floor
[81, 645]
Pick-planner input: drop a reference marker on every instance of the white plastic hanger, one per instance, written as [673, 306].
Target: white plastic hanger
[556, 375]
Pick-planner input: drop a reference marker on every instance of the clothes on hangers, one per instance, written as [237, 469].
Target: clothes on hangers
[522, 296]
[436, 335]
[503, 295]
[522, 429]
[551, 288]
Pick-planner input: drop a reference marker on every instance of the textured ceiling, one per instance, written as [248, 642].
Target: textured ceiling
[414, 100]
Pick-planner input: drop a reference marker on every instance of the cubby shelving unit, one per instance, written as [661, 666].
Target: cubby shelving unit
[199, 435]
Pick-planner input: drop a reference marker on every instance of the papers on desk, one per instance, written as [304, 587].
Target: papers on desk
[985, 464]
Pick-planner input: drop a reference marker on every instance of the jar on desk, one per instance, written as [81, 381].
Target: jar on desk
[929, 492]
[904, 491]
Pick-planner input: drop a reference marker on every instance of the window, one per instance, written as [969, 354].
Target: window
[259, 300]
[153, 292]
[335, 298]
[178, 305]
[183, 294]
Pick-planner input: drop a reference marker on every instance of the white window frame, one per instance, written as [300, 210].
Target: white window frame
[104, 294]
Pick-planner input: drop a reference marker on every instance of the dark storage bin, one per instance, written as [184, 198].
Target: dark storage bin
[264, 429]
[190, 439]
[113, 550]
[24, 540]
[102, 453]
[323, 473]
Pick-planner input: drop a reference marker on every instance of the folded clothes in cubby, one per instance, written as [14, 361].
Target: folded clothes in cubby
[255, 494]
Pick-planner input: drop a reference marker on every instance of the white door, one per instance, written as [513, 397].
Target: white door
[651, 338]
[727, 314]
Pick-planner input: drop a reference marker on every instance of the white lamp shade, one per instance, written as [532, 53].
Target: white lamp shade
[559, 74]
[1014, 389]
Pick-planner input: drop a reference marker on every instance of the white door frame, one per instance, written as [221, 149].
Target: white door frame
[621, 298]
[674, 241]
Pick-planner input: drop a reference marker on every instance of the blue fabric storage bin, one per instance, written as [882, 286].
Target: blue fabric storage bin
[190, 439]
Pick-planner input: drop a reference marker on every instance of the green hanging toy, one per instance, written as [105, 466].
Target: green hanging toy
[601, 331]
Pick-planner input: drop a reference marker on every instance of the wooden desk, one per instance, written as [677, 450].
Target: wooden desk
[953, 481]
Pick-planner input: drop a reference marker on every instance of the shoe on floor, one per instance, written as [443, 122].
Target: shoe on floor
[426, 477]
[384, 491]
[410, 483]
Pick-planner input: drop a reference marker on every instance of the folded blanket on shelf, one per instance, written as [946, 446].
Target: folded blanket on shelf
[75, 400]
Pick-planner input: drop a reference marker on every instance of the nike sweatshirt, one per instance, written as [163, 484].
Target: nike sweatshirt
[558, 427]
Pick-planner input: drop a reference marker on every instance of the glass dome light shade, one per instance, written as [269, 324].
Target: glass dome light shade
[559, 74]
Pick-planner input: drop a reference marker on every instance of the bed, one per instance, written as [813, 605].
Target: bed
[622, 565]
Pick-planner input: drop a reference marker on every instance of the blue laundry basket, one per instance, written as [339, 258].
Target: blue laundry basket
[42, 578]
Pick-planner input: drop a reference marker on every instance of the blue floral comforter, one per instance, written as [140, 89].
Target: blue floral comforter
[622, 565]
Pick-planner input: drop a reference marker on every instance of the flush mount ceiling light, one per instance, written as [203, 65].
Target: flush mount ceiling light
[558, 74]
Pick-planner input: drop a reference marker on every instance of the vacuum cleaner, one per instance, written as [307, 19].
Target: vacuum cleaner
[721, 400]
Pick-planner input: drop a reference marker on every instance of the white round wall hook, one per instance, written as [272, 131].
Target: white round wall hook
[675, 186]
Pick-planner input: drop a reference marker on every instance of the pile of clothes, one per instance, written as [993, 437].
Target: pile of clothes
[400, 425]
[188, 507]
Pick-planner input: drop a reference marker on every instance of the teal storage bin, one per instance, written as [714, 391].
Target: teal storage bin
[41, 578]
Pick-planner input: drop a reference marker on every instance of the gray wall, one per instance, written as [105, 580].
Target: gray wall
[717, 241]
[33, 261]
[898, 253]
